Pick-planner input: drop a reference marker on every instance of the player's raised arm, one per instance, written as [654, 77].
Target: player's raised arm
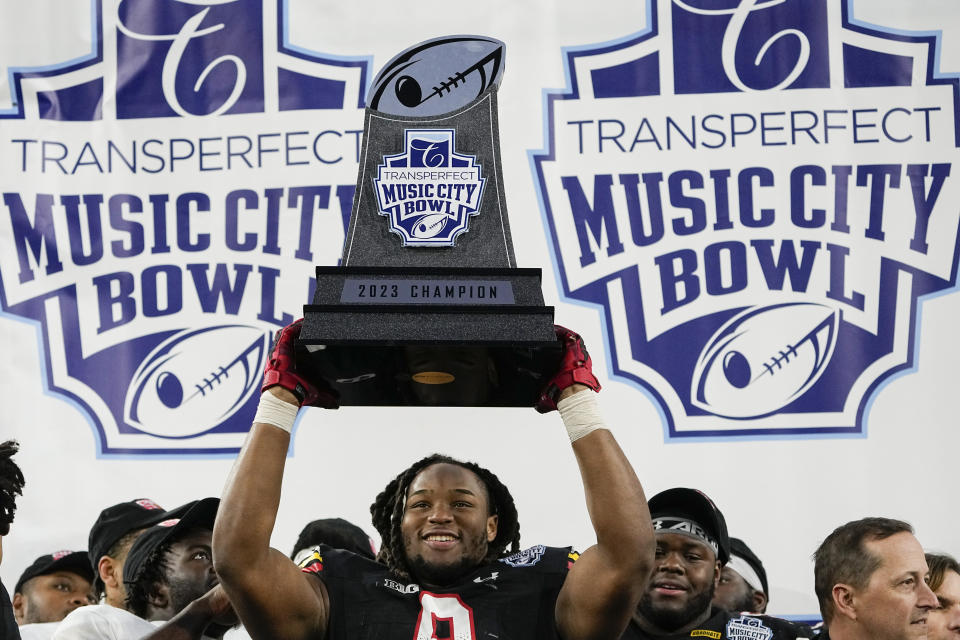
[604, 586]
[268, 591]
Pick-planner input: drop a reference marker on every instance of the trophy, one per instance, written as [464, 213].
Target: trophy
[427, 306]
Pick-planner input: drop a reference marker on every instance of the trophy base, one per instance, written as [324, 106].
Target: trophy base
[389, 337]
[414, 375]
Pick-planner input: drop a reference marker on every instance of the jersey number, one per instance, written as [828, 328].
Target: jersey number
[444, 617]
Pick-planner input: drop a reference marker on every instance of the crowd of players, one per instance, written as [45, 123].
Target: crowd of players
[450, 565]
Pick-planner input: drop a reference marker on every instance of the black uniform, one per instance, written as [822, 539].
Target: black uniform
[723, 625]
[509, 599]
[8, 624]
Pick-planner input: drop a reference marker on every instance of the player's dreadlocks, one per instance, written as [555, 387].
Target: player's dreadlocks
[11, 484]
[151, 575]
[387, 512]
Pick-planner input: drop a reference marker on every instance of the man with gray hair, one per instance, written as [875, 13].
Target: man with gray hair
[869, 578]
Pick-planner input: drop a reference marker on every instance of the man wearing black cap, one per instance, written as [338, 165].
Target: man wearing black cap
[170, 565]
[168, 574]
[110, 538]
[53, 586]
[692, 548]
[743, 581]
[334, 532]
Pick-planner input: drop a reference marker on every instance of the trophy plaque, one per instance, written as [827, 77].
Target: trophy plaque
[428, 306]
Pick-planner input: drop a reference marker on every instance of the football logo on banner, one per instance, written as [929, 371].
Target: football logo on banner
[758, 195]
[429, 191]
[163, 203]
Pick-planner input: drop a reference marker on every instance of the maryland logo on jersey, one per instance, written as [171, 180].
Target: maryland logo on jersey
[310, 560]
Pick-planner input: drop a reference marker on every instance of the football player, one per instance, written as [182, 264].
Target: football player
[944, 620]
[169, 579]
[110, 539]
[11, 486]
[869, 578]
[53, 586]
[450, 563]
[692, 546]
[743, 581]
[335, 532]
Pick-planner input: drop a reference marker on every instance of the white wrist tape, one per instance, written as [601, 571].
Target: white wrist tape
[273, 410]
[581, 414]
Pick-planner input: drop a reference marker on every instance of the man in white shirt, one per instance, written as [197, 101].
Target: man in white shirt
[110, 539]
[169, 580]
[49, 589]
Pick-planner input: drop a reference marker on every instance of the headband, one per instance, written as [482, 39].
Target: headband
[746, 572]
[670, 524]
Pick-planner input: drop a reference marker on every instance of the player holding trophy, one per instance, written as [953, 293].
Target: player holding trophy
[450, 565]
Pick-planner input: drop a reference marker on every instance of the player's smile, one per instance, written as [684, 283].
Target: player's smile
[670, 587]
[440, 540]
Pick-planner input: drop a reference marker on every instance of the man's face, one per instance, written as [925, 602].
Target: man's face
[190, 571]
[895, 603]
[50, 597]
[943, 622]
[733, 593]
[684, 576]
[446, 523]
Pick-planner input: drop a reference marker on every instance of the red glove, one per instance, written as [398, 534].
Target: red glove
[281, 370]
[575, 368]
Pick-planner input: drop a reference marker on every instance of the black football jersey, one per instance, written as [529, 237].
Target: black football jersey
[724, 625]
[8, 625]
[509, 599]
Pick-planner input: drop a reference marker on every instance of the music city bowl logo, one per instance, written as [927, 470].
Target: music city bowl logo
[163, 203]
[748, 628]
[429, 191]
[757, 193]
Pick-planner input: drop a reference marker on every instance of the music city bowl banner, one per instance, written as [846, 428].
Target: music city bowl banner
[758, 194]
[163, 202]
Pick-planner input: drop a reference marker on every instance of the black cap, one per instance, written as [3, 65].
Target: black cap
[740, 549]
[674, 510]
[72, 561]
[199, 514]
[337, 533]
[119, 520]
